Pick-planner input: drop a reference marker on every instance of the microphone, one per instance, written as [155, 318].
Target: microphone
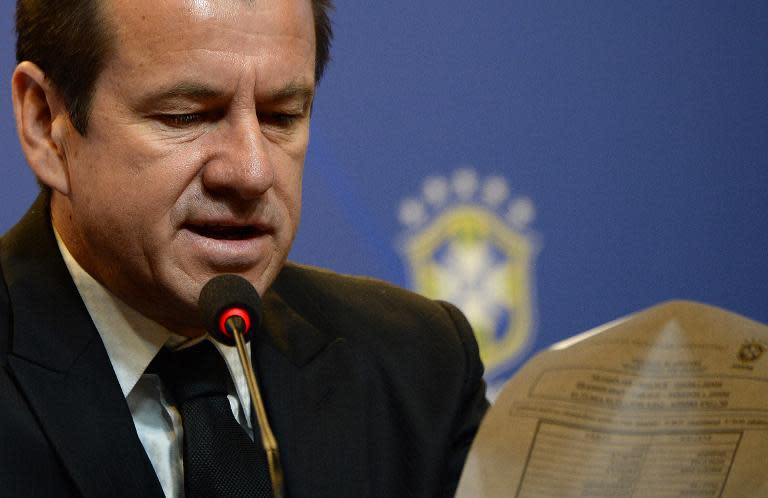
[228, 303]
[231, 309]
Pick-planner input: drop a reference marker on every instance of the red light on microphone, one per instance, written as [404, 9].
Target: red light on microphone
[237, 319]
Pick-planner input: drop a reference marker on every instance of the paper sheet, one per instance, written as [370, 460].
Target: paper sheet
[669, 402]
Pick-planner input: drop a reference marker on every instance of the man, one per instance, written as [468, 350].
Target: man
[169, 137]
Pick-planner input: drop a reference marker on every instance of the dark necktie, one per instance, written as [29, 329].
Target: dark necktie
[220, 460]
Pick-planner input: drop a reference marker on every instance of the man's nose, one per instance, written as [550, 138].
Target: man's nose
[241, 166]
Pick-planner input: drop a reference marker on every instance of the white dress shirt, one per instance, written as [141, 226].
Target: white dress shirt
[132, 341]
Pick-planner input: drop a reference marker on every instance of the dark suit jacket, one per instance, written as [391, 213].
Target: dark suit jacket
[371, 390]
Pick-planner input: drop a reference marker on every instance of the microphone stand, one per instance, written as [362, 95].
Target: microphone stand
[236, 325]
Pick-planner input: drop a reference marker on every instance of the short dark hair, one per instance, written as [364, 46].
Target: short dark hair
[70, 41]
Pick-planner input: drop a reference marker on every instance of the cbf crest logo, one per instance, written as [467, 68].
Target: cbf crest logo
[467, 241]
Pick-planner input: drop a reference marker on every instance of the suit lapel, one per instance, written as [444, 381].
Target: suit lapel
[62, 368]
[313, 398]
[310, 378]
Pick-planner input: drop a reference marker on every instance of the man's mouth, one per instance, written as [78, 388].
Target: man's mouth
[225, 232]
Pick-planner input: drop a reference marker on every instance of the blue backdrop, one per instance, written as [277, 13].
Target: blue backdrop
[615, 153]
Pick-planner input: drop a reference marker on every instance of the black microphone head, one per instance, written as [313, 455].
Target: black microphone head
[225, 296]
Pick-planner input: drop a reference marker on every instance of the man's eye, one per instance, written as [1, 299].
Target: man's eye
[181, 120]
[279, 119]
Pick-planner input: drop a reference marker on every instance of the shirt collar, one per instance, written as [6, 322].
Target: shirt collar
[131, 339]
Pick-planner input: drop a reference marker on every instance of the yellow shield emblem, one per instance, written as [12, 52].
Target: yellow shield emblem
[470, 257]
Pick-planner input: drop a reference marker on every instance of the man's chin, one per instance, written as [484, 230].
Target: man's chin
[176, 307]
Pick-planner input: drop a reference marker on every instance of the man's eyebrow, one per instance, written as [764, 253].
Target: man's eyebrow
[199, 92]
[181, 91]
[293, 91]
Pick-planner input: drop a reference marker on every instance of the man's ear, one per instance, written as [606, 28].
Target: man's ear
[41, 121]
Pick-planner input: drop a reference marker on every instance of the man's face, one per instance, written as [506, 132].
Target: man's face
[192, 162]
